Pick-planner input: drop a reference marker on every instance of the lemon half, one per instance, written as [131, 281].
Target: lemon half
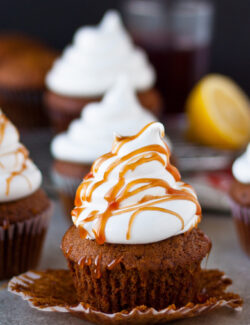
[218, 113]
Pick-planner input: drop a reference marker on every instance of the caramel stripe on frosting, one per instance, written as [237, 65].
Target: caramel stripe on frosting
[122, 185]
[19, 177]
[117, 187]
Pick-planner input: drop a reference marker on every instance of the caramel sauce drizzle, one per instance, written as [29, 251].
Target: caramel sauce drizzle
[121, 192]
[115, 262]
[97, 263]
[25, 154]
[3, 124]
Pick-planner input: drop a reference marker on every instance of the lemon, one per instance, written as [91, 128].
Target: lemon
[218, 113]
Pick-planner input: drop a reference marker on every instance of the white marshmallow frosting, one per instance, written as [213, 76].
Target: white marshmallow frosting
[241, 167]
[91, 136]
[135, 187]
[98, 55]
[19, 177]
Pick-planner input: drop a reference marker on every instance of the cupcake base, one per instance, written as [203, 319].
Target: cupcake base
[24, 108]
[62, 109]
[21, 244]
[67, 177]
[113, 277]
[53, 291]
[241, 217]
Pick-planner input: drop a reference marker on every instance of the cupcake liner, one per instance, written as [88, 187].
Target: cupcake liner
[66, 188]
[21, 244]
[24, 107]
[53, 291]
[241, 216]
[127, 289]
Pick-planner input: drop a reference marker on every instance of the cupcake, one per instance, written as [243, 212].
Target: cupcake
[240, 198]
[91, 136]
[135, 239]
[90, 66]
[23, 65]
[24, 207]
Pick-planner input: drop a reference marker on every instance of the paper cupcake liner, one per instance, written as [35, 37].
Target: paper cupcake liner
[241, 216]
[53, 291]
[127, 289]
[21, 244]
[24, 107]
[66, 188]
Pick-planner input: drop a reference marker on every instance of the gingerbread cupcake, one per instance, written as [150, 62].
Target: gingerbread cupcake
[24, 207]
[135, 239]
[91, 136]
[90, 66]
[240, 198]
[24, 63]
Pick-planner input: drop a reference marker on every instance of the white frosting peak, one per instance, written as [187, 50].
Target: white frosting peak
[98, 55]
[19, 177]
[91, 136]
[133, 195]
[241, 167]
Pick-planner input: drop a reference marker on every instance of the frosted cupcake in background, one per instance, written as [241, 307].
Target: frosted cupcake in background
[90, 66]
[24, 64]
[92, 134]
[240, 198]
[24, 207]
[135, 229]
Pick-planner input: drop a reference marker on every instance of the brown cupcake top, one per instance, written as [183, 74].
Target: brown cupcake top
[24, 62]
[240, 193]
[177, 250]
[12, 43]
[23, 209]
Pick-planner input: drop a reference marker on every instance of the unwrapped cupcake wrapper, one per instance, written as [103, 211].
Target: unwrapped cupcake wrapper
[241, 216]
[53, 291]
[24, 107]
[66, 188]
[21, 244]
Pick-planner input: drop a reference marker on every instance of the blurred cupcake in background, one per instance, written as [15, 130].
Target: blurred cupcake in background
[90, 66]
[24, 207]
[240, 198]
[92, 134]
[24, 63]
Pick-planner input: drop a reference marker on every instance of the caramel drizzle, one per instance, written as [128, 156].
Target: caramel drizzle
[3, 124]
[132, 218]
[97, 263]
[120, 192]
[25, 154]
[115, 262]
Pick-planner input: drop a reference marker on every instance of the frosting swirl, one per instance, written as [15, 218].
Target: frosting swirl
[241, 167]
[19, 177]
[92, 135]
[133, 195]
[98, 55]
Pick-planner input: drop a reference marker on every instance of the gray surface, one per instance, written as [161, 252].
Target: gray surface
[226, 255]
